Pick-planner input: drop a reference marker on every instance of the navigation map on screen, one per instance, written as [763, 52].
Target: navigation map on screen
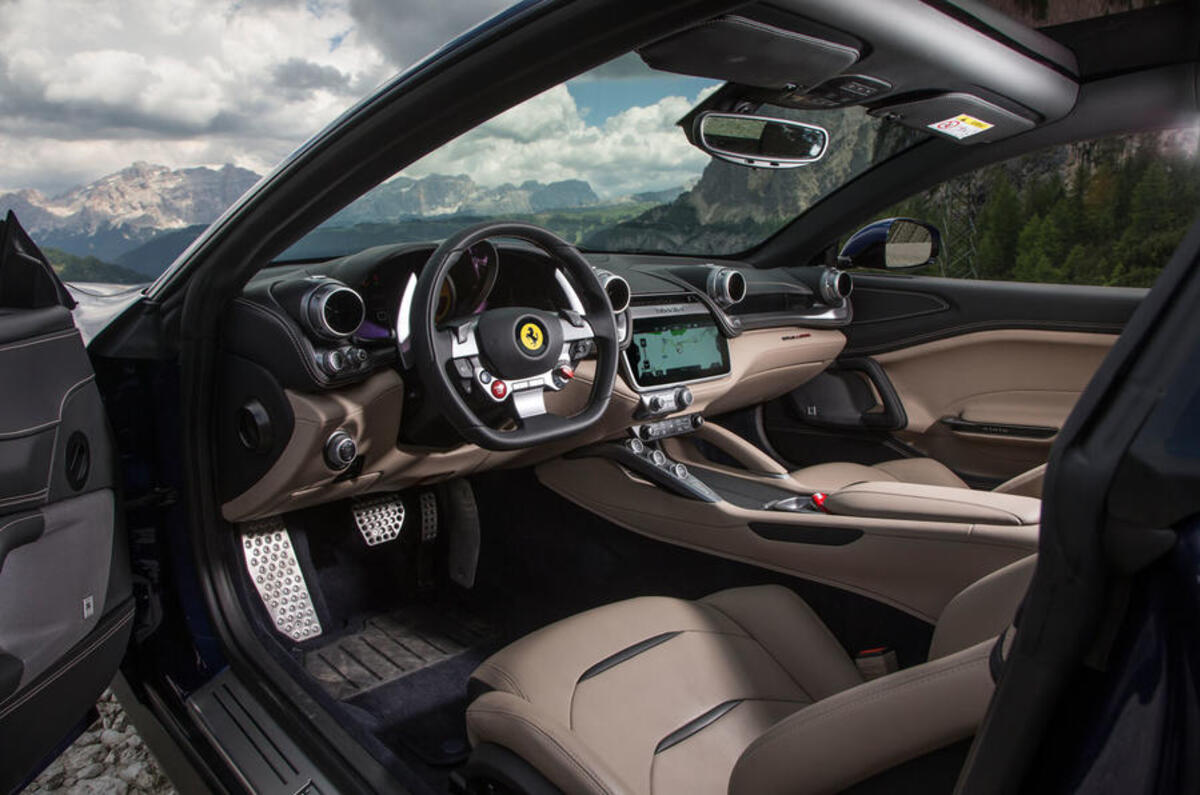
[665, 352]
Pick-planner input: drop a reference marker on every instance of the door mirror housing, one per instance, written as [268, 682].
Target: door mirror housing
[892, 244]
[760, 141]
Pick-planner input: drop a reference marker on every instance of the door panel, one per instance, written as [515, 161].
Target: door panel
[989, 404]
[985, 372]
[66, 608]
[895, 311]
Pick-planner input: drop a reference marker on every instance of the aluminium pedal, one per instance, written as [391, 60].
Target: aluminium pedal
[272, 564]
[379, 518]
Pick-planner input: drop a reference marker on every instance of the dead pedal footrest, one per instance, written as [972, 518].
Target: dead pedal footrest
[379, 519]
[271, 562]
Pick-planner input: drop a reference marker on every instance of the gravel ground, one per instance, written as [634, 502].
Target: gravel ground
[107, 758]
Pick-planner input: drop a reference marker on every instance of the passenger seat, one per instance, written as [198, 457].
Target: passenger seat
[745, 691]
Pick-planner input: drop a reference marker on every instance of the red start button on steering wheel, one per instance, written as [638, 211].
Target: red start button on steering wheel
[499, 389]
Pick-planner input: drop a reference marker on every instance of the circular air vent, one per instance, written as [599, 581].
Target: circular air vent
[617, 290]
[333, 311]
[726, 286]
[835, 286]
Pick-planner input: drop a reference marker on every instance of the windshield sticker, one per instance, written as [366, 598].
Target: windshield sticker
[961, 126]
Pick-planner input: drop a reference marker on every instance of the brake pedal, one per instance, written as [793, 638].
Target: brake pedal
[272, 564]
[379, 518]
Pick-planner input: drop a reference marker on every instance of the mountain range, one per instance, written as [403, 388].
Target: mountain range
[143, 216]
[121, 211]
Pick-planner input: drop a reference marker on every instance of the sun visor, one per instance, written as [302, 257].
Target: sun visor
[718, 49]
[960, 117]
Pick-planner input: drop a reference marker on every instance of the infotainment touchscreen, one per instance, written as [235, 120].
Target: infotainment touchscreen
[671, 350]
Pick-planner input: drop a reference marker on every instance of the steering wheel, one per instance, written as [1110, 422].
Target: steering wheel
[511, 356]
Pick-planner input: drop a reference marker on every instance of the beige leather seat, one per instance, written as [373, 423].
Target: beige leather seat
[745, 691]
[926, 471]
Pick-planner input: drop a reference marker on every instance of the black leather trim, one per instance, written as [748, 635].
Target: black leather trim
[626, 654]
[35, 719]
[973, 306]
[23, 324]
[881, 305]
[11, 670]
[19, 531]
[695, 725]
[796, 534]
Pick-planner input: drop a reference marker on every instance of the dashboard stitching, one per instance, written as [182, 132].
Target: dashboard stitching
[293, 337]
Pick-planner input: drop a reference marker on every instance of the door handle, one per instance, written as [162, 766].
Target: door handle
[959, 425]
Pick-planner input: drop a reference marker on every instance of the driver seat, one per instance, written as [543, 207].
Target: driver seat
[744, 691]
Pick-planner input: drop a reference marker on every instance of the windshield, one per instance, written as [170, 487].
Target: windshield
[601, 161]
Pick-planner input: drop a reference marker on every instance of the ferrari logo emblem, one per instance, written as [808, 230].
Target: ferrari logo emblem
[532, 337]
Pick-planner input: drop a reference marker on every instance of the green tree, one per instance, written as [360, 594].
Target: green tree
[1000, 224]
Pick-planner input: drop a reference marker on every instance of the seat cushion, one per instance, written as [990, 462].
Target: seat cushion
[666, 692]
[832, 477]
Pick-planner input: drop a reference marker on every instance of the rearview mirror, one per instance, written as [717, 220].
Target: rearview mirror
[760, 141]
[893, 243]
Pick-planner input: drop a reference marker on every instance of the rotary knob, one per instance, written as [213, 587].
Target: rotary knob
[683, 398]
[679, 471]
[340, 450]
[335, 361]
[635, 446]
[658, 458]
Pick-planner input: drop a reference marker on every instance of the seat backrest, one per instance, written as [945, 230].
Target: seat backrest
[868, 729]
[983, 609]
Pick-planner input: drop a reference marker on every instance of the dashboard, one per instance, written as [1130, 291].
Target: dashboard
[321, 397]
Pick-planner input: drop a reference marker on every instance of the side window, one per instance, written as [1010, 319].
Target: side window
[1104, 212]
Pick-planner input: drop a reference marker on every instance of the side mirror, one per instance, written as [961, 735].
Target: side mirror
[894, 244]
[760, 141]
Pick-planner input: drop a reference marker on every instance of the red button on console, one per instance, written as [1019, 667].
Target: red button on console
[499, 389]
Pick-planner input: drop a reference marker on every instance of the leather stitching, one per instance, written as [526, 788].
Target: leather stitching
[563, 750]
[290, 333]
[12, 346]
[21, 432]
[83, 653]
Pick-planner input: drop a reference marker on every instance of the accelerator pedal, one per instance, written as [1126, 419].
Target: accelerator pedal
[271, 562]
[427, 545]
[379, 518]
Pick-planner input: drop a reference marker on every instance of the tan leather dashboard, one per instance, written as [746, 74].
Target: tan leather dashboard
[765, 363]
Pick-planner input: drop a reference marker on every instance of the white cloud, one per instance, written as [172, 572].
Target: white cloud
[547, 139]
[89, 86]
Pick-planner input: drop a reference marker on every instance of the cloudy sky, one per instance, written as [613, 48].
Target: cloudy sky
[90, 86]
